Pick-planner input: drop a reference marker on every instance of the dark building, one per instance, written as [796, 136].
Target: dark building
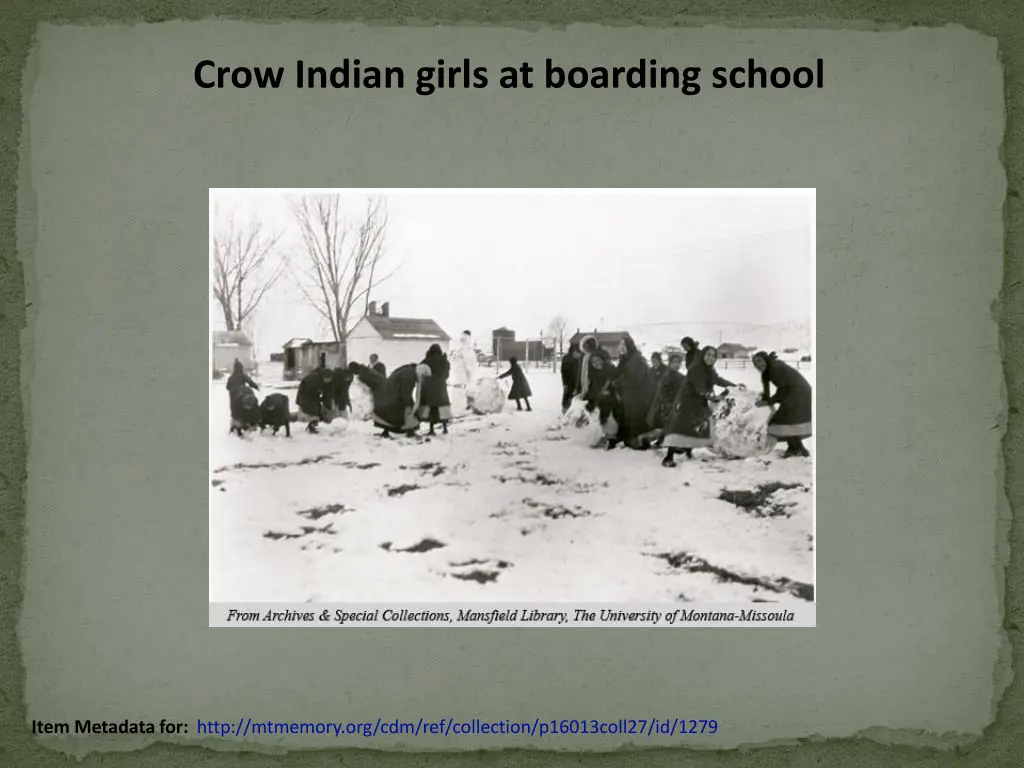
[608, 340]
[500, 339]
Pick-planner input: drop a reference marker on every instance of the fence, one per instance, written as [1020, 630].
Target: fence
[533, 353]
[729, 363]
[742, 362]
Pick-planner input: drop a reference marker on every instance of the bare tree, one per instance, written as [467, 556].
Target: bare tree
[244, 269]
[342, 259]
[557, 327]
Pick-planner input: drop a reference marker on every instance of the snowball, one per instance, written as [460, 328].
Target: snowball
[330, 414]
[739, 429]
[362, 401]
[576, 415]
[586, 428]
[486, 396]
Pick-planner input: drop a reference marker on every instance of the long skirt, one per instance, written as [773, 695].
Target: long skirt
[660, 413]
[520, 388]
[792, 419]
[396, 418]
[799, 431]
[690, 426]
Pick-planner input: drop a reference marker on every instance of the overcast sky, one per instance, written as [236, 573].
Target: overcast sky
[482, 260]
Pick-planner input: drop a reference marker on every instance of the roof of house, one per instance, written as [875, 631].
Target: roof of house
[300, 343]
[405, 328]
[231, 338]
[602, 337]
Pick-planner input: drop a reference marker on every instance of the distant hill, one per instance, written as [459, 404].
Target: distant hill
[777, 337]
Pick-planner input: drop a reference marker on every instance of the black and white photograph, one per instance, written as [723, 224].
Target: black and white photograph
[487, 396]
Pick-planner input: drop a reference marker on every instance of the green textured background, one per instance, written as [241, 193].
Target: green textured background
[15, 37]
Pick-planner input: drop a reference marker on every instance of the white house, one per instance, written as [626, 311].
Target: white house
[395, 340]
[229, 346]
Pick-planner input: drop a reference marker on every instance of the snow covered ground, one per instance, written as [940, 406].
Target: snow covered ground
[505, 508]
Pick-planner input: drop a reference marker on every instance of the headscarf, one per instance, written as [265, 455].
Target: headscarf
[688, 340]
[238, 367]
[704, 351]
[769, 358]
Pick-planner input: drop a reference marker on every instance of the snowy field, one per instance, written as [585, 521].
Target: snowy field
[505, 508]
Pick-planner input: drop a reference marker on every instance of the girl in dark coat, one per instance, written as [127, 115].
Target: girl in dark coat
[658, 368]
[239, 378]
[368, 376]
[668, 388]
[435, 405]
[690, 425]
[314, 394]
[570, 374]
[595, 371]
[238, 383]
[792, 421]
[520, 386]
[394, 398]
[634, 390]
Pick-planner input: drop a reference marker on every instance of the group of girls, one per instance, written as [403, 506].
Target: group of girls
[657, 404]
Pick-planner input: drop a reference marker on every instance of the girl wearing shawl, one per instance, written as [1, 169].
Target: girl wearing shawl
[634, 390]
[435, 405]
[667, 389]
[520, 386]
[658, 368]
[239, 388]
[595, 370]
[314, 395]
[239, 378]
[570, 370]
[792, 421]
[690, 425]
[394, 398]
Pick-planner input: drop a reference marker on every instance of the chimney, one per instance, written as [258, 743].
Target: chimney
[385, 309]
[372, 309]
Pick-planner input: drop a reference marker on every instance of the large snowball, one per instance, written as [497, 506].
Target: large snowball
[362, 401]
[486, 396]
[739, 429]
[586, 428]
